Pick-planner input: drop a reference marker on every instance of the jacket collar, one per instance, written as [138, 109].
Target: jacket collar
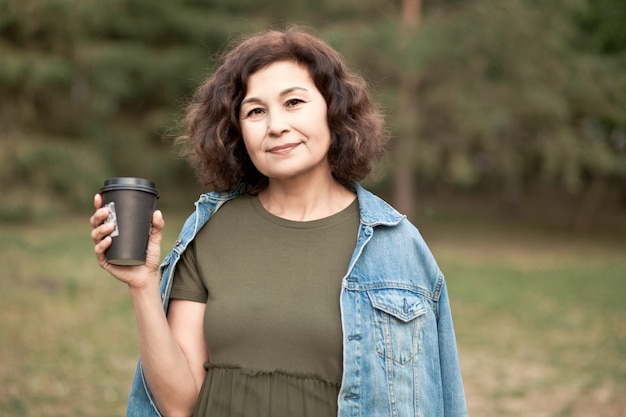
[217, 197]
[374, 210]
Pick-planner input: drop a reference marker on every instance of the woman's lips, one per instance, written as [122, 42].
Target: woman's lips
[283, 149]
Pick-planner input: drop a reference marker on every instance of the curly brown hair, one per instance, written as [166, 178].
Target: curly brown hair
[213, 141]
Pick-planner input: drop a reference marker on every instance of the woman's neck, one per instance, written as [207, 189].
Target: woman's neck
[305, 202]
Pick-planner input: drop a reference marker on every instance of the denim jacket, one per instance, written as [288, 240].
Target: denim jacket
[399, 349]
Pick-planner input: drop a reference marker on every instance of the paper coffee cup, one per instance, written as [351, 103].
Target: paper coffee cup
[131, 202]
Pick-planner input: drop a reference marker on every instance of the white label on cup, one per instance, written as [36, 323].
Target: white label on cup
[112, 218]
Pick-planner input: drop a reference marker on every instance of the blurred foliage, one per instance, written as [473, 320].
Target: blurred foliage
[512, 95]
[513, 102]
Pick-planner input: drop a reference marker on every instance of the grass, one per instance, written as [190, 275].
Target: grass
[540, 319]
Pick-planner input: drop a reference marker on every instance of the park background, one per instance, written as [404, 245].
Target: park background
[508, 120]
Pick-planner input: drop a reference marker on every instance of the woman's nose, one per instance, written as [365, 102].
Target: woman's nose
[278, 123]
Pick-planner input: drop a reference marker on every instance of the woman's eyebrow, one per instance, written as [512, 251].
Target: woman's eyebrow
[281, 94]
[290, 90]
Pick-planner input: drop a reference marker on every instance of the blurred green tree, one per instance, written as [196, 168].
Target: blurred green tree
[517, 95]
[497, 96]
[87, 89]
[509, 96]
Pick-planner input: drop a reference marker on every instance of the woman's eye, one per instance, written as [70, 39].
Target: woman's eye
[255, 112]
[293, 102]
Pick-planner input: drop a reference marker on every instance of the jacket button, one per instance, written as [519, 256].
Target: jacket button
[178, 241]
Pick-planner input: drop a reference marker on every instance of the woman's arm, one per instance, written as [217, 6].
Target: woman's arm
[172, 351]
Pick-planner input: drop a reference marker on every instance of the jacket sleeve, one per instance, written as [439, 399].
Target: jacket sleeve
[140, 401]
[452, 383]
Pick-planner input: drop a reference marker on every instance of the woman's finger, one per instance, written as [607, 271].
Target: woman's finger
[101, 246]
[102, 231]
[97, 201]
[99, 216]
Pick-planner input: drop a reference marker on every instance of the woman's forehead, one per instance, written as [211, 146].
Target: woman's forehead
[280, 77]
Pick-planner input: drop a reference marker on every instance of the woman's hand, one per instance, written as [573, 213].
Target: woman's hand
[135, 276]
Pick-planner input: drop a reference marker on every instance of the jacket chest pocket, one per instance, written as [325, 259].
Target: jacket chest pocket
[397, 318]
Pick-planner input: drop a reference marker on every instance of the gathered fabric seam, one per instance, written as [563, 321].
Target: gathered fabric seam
[281, 372]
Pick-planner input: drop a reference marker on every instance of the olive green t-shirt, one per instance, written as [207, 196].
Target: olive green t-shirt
[271, 288]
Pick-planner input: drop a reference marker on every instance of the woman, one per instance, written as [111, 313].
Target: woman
[304, 295]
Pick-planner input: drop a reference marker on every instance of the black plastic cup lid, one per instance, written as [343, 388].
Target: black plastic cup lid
[129, 183]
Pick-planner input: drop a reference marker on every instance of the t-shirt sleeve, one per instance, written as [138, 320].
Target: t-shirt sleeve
[187, 283]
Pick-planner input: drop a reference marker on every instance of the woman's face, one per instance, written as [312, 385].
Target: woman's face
[284, 123]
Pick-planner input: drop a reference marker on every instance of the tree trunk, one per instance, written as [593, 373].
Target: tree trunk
[404, 188]
[592, 201]
[411, 13]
